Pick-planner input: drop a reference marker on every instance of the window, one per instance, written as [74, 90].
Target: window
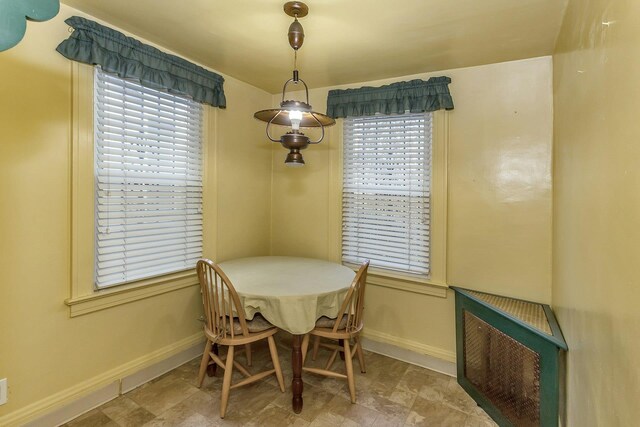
[386, 191]
[148, 181]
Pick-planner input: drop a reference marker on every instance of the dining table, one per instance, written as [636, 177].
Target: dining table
[292, 293]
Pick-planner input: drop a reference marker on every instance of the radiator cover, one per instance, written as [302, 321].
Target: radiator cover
[508, 357]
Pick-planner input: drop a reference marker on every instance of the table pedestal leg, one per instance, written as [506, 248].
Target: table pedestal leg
[296, 365]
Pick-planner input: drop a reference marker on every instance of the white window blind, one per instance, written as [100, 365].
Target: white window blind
[148, 181]
[386, 191]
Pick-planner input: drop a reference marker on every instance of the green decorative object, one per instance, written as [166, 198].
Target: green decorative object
[95, 44]
[14, 15]
[415, 96]
[510, 356]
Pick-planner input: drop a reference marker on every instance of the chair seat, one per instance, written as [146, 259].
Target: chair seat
[327, 322]
[257, 324]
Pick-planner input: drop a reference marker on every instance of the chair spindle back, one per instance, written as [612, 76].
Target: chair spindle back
[220, 300]
[353, 305]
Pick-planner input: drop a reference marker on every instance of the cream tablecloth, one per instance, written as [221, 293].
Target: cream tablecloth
[290, 292]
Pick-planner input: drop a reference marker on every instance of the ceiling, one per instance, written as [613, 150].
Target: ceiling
[346, 41]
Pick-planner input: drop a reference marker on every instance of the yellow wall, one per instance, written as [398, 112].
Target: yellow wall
[596, 249]
[42, 350]
[244, 174]
[499, 220]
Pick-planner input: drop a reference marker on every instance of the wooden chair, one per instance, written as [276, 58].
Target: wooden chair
[343, 328]
[225, 324]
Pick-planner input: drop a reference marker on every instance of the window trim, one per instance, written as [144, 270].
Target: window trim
[436, 282]
[84, 297]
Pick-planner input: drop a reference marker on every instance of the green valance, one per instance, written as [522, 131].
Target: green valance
[415, 96]
[95, 44]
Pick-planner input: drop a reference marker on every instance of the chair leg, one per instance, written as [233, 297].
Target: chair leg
[363, 367]
[276, 362]
[204, 363]
[247, 348]
[316, 346]
[341, 344]
[332, 359]
[305, 347]
[226, 382]
[349, 362]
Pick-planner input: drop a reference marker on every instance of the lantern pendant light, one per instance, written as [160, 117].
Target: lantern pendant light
[296, 114]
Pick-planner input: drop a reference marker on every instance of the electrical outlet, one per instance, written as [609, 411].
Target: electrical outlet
[3, 391]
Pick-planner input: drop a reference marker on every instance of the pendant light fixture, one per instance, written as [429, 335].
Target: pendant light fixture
[296, 114]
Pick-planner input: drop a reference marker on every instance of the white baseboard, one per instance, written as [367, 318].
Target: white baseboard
[77, 407]
[74, 401]
[413, 352]
[145, 375]
[70, 403]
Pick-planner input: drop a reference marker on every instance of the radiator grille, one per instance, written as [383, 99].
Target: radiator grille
[504, 370]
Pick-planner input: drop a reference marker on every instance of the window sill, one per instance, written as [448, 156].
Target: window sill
[414, 284]
[107, 298]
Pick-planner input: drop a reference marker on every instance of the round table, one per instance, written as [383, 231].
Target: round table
[291, 293]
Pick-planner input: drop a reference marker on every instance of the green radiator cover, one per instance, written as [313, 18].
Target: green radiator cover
[509, 357]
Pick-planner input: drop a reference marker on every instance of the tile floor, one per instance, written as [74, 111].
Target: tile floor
[390, 393]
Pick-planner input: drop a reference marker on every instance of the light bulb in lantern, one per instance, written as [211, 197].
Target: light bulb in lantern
[296, 117]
